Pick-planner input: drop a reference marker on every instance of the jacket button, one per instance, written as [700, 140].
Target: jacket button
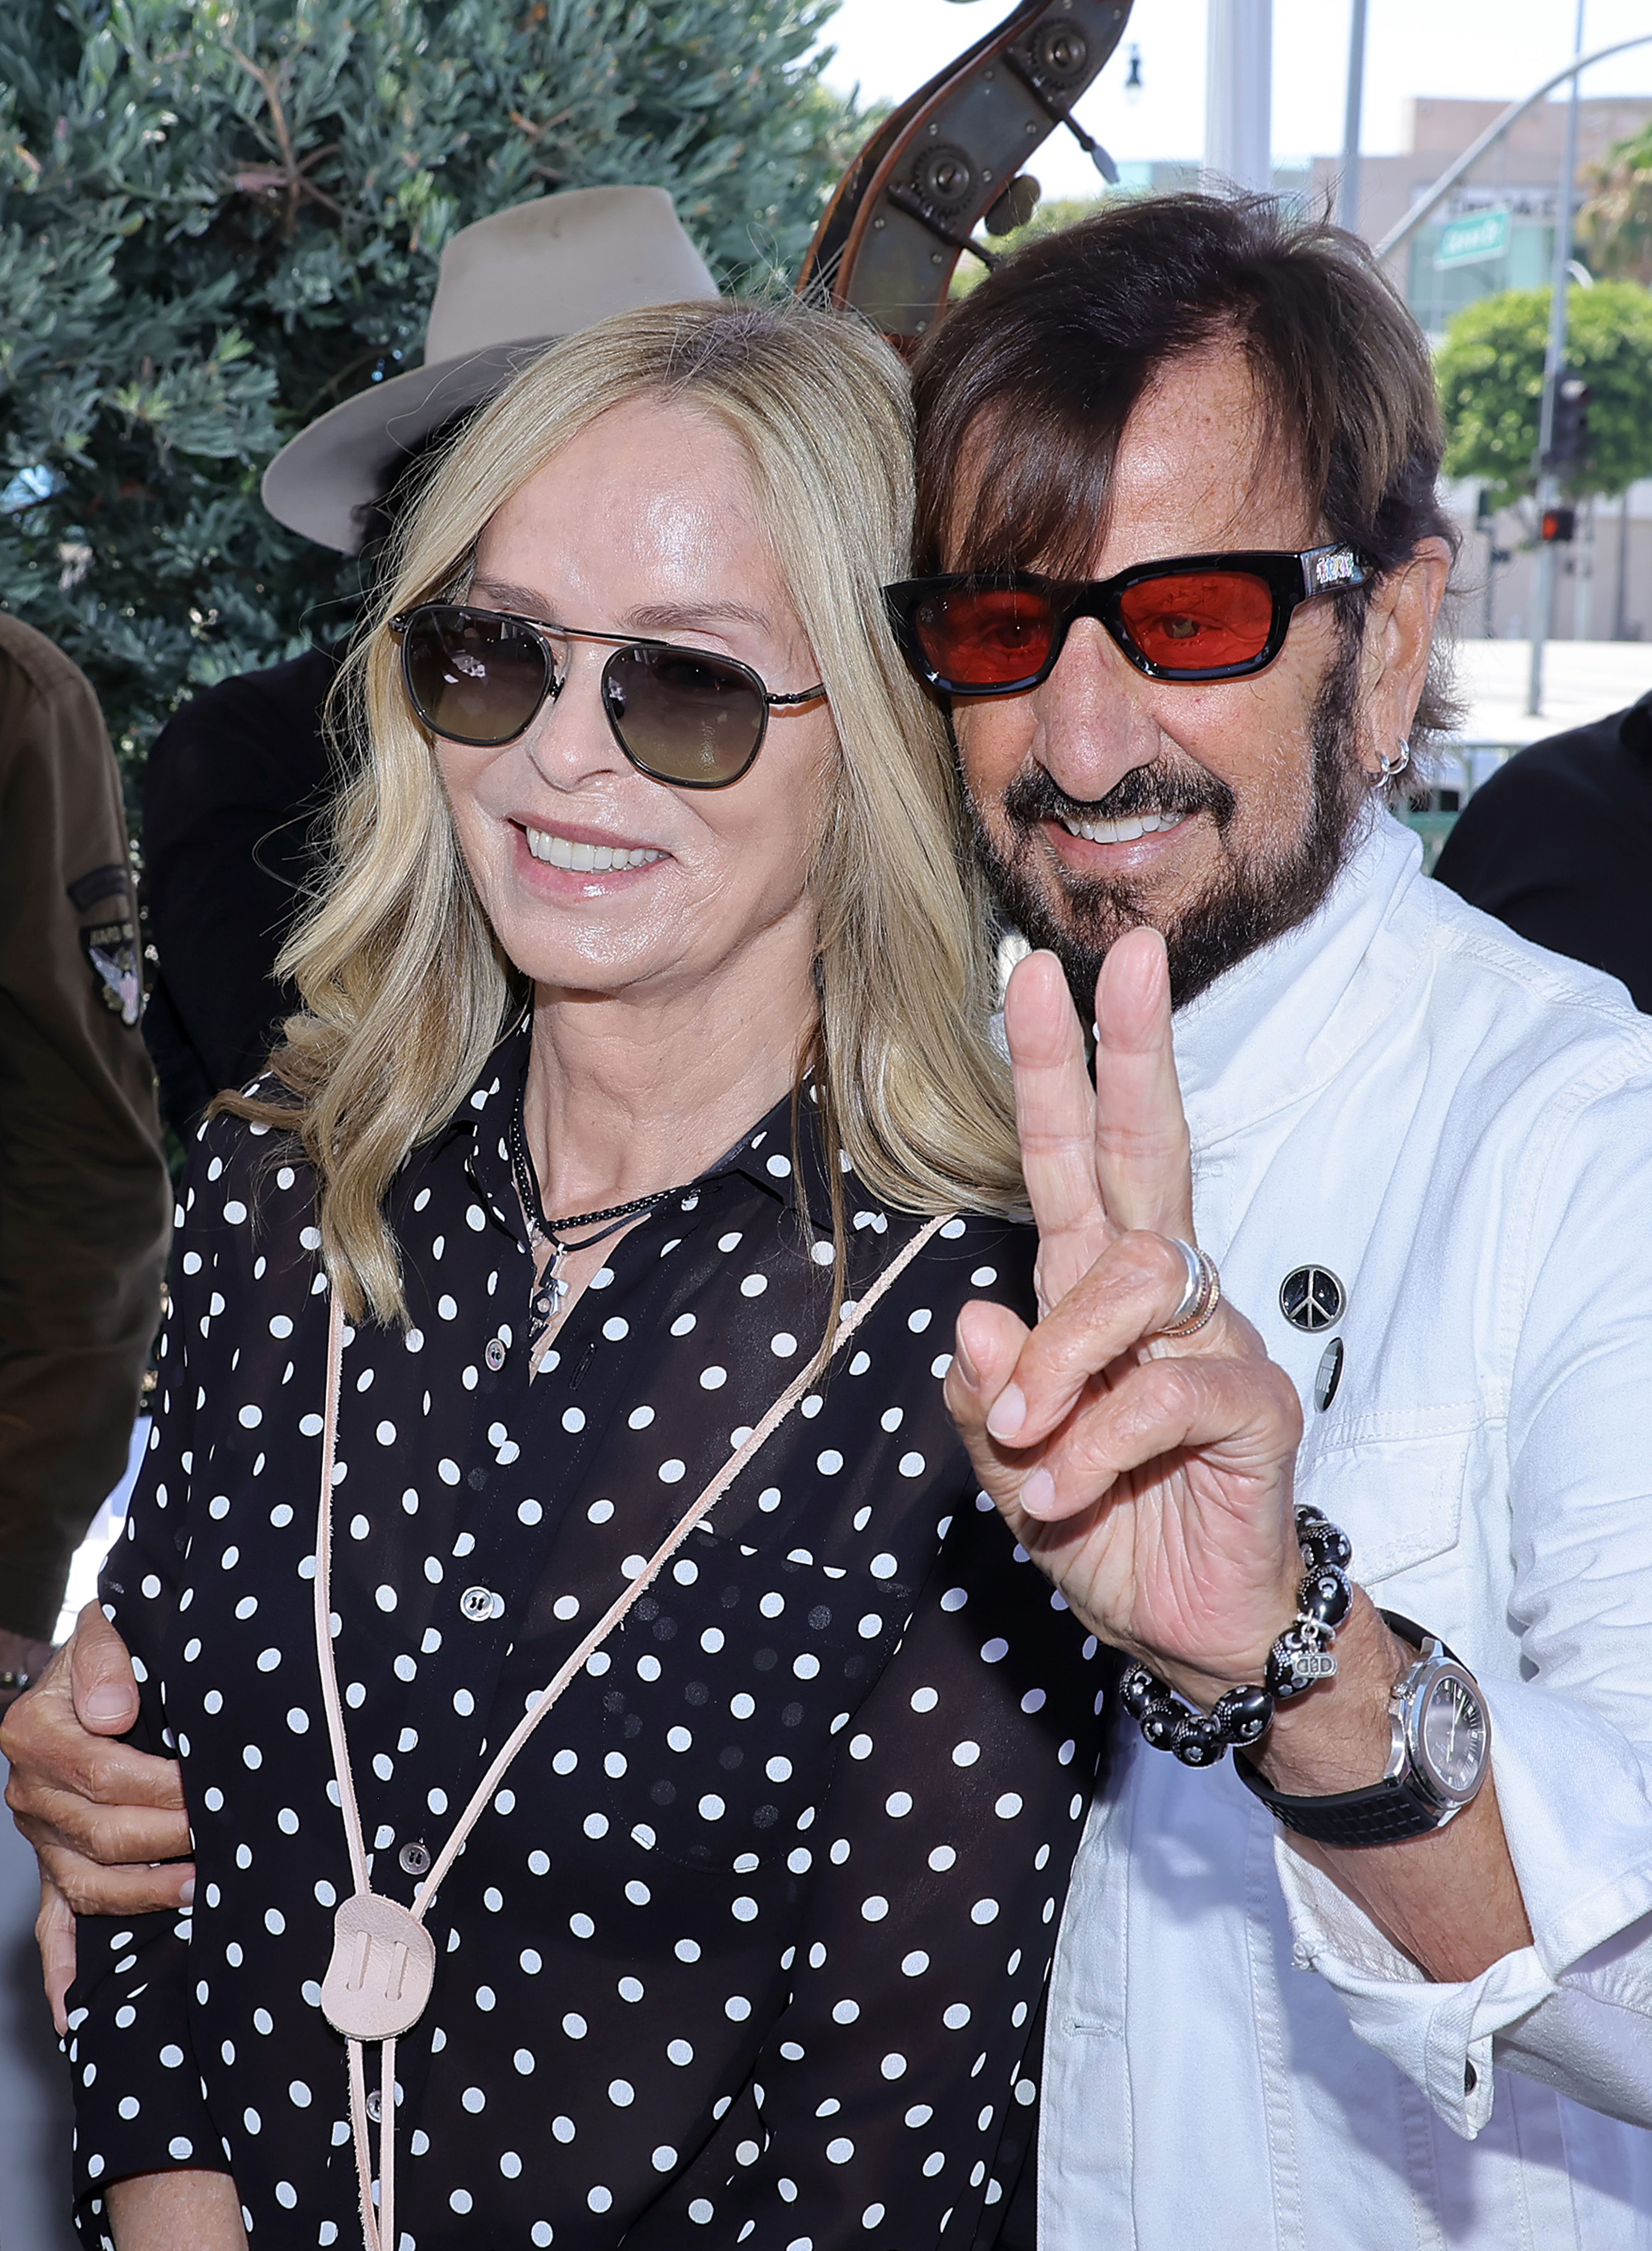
[414, 1859]
[494, 1354]
[479, 1605]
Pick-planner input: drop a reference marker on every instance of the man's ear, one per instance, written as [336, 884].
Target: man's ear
[1400, 636]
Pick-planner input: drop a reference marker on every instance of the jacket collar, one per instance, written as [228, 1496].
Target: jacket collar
[1282, 1023]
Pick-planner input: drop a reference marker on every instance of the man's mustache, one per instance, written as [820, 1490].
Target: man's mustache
[1035, 795]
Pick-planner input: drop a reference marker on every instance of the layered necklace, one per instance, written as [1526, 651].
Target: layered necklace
[552, 1287]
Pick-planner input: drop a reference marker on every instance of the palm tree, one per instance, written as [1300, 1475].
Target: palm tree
[1615, 226]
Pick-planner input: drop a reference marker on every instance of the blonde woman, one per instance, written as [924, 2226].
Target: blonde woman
[643, 1062]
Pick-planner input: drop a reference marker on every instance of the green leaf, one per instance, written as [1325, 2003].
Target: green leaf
[220, 217]
[1491, 375]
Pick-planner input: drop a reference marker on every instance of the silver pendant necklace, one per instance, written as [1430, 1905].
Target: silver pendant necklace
[551, 1288]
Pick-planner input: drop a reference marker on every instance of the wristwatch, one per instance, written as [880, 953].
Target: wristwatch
[1439, 1754]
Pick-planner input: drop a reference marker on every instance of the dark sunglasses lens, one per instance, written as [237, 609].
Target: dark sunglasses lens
[1200, 620]
[471, 677]
[985, 636]
[684, 717]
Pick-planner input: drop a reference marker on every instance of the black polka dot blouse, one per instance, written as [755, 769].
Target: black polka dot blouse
[750, 1945]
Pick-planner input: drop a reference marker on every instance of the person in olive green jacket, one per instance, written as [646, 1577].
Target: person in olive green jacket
[85, 1202]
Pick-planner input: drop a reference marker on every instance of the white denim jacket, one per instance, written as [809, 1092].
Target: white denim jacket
[1458, 1125]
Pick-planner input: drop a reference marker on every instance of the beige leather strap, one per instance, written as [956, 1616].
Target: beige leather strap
[378, 2226]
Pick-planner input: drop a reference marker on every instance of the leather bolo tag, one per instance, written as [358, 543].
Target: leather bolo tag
[382, 1968]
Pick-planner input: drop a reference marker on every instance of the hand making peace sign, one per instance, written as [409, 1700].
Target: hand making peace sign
[1151, 1476]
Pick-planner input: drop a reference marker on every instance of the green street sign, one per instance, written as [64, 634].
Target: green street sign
[1473, 240]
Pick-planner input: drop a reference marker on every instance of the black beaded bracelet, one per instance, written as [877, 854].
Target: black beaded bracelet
[1299, 1660]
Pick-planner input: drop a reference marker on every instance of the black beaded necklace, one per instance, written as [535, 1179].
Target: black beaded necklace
[551, 1288]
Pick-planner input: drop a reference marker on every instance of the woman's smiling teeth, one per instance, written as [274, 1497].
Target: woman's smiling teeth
[585, 859]
[1126, 831]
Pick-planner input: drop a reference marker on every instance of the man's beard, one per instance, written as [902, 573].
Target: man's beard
[1253, 899]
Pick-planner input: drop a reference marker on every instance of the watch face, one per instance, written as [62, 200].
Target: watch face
[1451, 1736]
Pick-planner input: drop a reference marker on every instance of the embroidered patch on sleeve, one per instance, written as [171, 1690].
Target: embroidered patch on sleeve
[96, 883]
[111, 949]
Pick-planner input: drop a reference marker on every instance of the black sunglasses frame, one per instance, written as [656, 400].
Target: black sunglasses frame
[623, 645]
[1290, 579]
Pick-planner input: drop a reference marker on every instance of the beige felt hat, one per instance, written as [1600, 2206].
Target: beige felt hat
[507, 286]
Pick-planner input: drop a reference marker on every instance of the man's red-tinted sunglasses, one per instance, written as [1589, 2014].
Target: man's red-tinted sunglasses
[1196, 617]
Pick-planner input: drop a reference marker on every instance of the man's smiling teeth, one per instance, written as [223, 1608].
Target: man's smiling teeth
[585, 859]
[1123, 832]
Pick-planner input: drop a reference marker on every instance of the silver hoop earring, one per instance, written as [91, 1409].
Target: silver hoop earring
[1389, 769]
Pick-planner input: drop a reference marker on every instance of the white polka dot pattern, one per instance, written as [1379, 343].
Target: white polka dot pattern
[749, 1947]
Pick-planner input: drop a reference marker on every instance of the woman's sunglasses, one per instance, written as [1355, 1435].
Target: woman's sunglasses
[1197, 617]
[682, 716]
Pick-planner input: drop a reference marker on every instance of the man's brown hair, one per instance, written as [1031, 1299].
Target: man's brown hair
[1031, 378]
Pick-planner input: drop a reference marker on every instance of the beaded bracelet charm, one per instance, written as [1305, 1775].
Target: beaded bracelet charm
[1299, 1660]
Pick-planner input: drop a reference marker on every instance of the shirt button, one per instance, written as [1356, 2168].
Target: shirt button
[494, 1354]
[481, 1603]
[414, 1859]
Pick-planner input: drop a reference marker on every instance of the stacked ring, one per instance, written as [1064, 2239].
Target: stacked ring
[1202, 1296]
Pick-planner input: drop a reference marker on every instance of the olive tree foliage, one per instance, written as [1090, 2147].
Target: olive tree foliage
[1490, 371]
[220, 218]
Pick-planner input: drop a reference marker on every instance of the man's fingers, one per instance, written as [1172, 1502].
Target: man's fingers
[102, 1683]
[1124, 1300]
[55, 1766]
[113, 1836]
[989, 1341]
[1246, 1410]
[1143, 1159]
[1055, 1108]
[51, 1753]
[54, 1935]
[91, 1889]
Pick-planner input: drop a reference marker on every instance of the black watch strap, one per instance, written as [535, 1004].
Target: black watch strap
[1386, 1812]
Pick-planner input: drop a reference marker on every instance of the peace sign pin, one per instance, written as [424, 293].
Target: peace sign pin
[1312, 1298]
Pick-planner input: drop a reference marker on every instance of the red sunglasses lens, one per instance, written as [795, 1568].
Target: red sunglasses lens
[1200, 620]
[985, 637]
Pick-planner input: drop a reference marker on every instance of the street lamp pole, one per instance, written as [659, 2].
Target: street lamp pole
[1238, 97]
[1554, 364]
[1348, 189]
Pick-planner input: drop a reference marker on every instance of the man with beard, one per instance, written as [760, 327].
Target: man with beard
[1182, 556]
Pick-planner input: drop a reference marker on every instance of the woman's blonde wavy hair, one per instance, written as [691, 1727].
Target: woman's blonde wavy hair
[405, 986]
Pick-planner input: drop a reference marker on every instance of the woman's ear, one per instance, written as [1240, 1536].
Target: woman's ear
[1400, 636]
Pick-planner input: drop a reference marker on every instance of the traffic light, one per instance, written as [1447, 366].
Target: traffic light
[1569, 442]
[1558, 526]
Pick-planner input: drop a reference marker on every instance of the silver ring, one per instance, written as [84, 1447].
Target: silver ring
[1202, 1296]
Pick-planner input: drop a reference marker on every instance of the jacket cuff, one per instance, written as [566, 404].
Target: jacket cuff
[1573, 1794]
[1440, 2036]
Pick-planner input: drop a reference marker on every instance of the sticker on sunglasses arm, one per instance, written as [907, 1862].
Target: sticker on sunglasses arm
[1334, 566]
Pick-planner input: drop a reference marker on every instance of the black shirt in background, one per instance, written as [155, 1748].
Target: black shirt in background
[1558, 846]
[235, 786]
